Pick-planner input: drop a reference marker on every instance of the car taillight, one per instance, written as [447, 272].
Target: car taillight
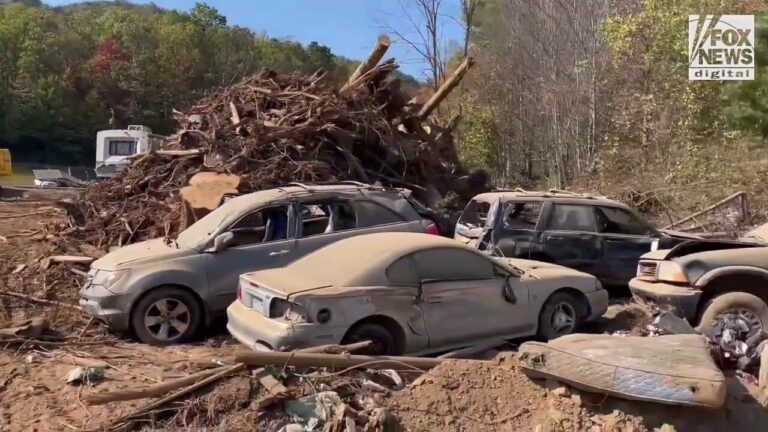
[432, 229]
[239, 291]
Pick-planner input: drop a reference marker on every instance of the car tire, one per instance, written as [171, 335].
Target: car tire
[734, 301]
[559, 316]
[383, 341]
[166, 316]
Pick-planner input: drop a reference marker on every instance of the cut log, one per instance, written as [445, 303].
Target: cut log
[336, 361]
[445, 89]
[381, 47]
[205, 193]
[67, 259]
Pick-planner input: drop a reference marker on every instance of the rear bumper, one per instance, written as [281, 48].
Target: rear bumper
[683, 300]
[598, 303]
[258, 332]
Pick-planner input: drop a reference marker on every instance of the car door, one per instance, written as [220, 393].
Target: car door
[472, 223]
[624, 238]
[571, 238]
[263, 239]
[324, 221]
[515, 228]
[462, 297]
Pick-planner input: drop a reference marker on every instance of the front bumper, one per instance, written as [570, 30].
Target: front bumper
[259, 332]
[684, 300]
[598, 303]
[103, 305]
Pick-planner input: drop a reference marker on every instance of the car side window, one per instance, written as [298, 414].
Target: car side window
[452, 264]
[522, 215]
[261, 226]
[568, 217]
[475, 214]
[374, 214]
[402, 272]
[326, 217]
[612, 220]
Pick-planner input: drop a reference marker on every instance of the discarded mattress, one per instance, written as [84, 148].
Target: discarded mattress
[674, 369]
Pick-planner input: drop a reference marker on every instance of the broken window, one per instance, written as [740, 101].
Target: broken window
[326, 217]
[261, 226]
[475, 214]
[572, 218]
[519, 215]
[612, 220]
[452, 264]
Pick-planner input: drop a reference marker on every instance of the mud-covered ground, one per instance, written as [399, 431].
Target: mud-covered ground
[456, 396]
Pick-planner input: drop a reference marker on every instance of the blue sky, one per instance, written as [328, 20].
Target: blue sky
[348, 27]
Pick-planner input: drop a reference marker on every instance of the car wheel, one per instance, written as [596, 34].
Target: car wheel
[166, 316]
[559, 316]
[749, 308]
[383, 341]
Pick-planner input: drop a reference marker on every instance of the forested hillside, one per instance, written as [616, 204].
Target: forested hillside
[67, 72]
[595, 95]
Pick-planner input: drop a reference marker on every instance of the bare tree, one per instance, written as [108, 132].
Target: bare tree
[424, 35]
[468, 10]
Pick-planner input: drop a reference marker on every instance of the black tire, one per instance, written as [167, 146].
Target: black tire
[561, 302]
[147, 308]
[383, 341]
[734, 301]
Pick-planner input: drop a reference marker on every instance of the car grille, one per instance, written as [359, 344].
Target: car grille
[647, 269]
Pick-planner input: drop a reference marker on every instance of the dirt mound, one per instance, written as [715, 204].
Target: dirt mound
[471, 396]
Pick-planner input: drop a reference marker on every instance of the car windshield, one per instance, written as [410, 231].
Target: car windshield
[199, 231]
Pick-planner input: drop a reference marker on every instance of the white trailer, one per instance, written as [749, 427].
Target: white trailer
[115, 147]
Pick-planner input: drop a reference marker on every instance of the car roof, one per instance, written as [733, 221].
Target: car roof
[564, 197]
[363, 260]
[293, 190]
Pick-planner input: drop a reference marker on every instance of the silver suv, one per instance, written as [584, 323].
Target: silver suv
[165, 290]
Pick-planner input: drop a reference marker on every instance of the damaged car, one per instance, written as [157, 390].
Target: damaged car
[593, 234]
[709, 281]
[409, 293]
[165, 290]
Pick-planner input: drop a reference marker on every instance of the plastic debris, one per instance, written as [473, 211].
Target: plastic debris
[81, 375]
[314, 410]
[395, 377]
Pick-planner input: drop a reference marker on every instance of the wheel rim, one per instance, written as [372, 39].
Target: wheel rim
[167, 319]
[750, 318]
[563, 318]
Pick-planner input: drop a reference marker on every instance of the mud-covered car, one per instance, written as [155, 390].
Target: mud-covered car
[409, 293]
[596, 235]
[703, 281]
[164, 290]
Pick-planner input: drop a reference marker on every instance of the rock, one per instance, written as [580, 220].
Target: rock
[576, 400]
[561, 391]
[81, 375]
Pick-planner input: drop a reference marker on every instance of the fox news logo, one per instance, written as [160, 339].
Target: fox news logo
[721, 47]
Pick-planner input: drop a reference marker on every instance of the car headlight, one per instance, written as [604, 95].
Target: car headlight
[670, 271]
[107, 278]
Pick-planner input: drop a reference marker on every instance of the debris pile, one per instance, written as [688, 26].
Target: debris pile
[269, 130]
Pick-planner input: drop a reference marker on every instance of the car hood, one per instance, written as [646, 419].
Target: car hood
[543, 270]
[284, 282]
[140, 253]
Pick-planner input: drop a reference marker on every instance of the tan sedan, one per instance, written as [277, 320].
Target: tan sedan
[409, 293]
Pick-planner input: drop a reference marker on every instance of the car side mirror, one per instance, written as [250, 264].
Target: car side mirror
[222, 241]
[509, 292]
